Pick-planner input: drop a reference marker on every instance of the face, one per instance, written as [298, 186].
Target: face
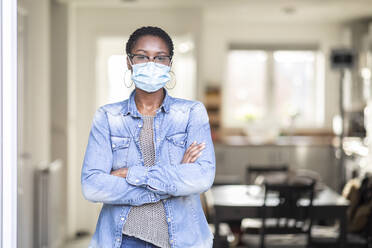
[150, 46]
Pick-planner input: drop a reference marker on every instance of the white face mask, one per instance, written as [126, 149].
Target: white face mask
[150, 76]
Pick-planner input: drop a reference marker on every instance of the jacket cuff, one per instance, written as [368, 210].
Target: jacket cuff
[137, 175]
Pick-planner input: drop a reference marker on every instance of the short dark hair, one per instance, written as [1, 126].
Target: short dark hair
[149, 30]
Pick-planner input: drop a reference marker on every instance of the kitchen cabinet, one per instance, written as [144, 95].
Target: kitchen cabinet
[231, 160]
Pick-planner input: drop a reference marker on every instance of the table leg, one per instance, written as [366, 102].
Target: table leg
[217, 239]
[343, 230]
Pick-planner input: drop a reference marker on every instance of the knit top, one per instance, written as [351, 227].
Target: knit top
[148, 222]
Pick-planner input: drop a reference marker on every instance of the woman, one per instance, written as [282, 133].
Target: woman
[149, 157]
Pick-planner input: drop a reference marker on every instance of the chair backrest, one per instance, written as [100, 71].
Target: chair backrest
[288, 207]
[253, 171]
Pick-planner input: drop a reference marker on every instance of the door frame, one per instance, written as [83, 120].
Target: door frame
[8, 123]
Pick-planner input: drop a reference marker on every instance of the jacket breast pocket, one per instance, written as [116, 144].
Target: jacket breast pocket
[120, 147]
[176, 147]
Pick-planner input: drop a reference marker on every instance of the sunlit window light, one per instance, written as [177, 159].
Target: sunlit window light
[277, 83]
[116, 68]
[294, 56]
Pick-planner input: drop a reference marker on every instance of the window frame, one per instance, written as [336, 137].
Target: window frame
[270, 49]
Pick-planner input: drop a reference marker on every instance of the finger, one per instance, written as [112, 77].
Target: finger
[193, 159]
[196, 147]
[190, 148]
[191, 151]
[190, 154]
[195, 152]
[192, 144]
[199, 146]
[186, 158]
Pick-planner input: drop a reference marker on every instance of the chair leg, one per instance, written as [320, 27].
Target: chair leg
[262, 241]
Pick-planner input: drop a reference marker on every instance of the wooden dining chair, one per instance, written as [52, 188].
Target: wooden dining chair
[254, 171]
[285, 210]
[259, 174]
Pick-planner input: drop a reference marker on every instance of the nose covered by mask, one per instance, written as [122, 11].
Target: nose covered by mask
[150, 77]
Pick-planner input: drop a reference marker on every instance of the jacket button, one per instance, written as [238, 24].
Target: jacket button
[118, 240]
[169, 219]
[122, 219]
[113, 145]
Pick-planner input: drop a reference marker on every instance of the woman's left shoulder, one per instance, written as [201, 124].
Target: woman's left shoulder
[185, 104]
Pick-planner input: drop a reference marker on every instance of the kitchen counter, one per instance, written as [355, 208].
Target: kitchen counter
[315, 153]
[280, 141]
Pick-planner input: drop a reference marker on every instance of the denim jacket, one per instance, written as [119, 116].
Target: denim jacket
[114, 143]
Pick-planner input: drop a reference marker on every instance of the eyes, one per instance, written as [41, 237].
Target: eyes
[139, 58]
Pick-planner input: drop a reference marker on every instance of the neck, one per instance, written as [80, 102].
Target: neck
[148, 103]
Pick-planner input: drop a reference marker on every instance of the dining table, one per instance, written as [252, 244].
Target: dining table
[236, 202]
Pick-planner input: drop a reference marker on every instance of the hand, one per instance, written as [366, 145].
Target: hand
[193, 152]
[122, 172]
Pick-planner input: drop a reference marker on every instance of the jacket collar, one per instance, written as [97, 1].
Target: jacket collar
[132, 108]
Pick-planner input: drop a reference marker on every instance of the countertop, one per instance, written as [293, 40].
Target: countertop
[279, 141]
[351, 145]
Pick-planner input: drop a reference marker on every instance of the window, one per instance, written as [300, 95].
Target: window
[280, 85]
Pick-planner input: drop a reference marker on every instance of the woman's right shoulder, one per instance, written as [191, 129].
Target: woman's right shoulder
[115, 108]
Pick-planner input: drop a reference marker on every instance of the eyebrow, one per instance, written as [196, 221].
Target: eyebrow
[141, 50]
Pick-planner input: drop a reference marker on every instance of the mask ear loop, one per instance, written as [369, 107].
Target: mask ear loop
[173, 76]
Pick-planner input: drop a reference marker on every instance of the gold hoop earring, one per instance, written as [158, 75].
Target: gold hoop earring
[125, 76]
[173, 79]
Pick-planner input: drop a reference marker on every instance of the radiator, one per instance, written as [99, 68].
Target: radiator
[49, 206]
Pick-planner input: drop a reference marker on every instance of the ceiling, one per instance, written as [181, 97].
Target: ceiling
[324, 10]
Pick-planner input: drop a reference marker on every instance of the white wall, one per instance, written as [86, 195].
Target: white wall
[37, 81]
[58, 104]
[34, 109]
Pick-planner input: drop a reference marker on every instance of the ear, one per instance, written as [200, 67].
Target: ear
[129, 66]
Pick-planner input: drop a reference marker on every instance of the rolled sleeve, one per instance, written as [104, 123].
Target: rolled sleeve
[137, 175]
[143, 176]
